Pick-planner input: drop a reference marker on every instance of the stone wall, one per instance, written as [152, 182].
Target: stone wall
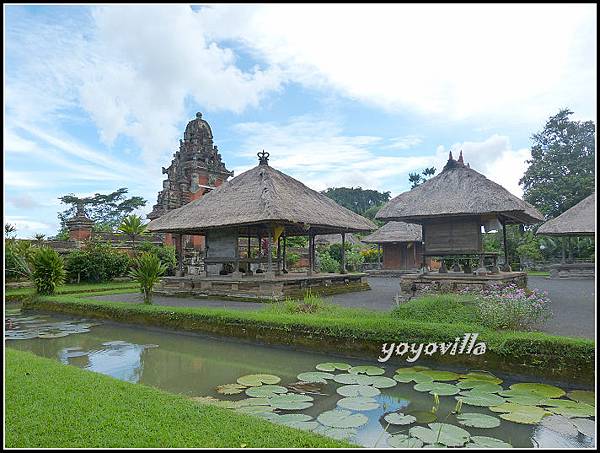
[573, 271]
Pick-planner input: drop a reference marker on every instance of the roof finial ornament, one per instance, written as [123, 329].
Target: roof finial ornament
[80, 209]
[460, 158]
[450, 156]
[263, 158]
[199, 115]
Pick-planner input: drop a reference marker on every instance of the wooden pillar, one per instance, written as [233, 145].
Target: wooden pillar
[259, 256]
[278, 255]
[506, 267]
[343, 253]
[570, 248]
[284, 270]
[269, 258]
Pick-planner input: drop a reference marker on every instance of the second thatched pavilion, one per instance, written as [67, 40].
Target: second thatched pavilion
[452, 208]
[264, 207]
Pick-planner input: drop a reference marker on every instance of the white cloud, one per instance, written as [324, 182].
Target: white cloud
[507, 61]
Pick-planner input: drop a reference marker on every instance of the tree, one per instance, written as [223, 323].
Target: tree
[107, 211]
[561, 170]
[132, 226]
[417, 179]
[357, 199]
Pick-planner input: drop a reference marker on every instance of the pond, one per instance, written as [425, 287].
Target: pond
[371, 409]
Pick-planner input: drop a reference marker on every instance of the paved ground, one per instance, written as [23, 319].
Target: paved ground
[573, 302]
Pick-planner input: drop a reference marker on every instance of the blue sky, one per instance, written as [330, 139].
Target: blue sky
[355, 95]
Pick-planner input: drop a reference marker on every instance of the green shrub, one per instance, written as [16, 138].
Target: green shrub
[354, 260]
[17, 259]
[165, 253]
[311, 303]
[292, 258]
[335, 250]
[327, 263]
[48, 270]
[440, 308]
[147, 270]
[96, 262]
[370, 255]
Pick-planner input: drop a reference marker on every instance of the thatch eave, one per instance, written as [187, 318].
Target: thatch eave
[579, 220]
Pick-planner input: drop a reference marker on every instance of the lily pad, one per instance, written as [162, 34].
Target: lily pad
[441, 375]
[366, 369]
[265, 391]
[358, 403]
[353, 379]
[583, 396]
[559, 424]
[335, 433]
[518, 413]
[381, 382]
[545, 390]
[255, 380]
[526, 399]
[481, 376]
[332, 366]
[480, 399]
[585, 426]
[411, 369]
[480, 385]
[306, 387]
[287, 418]
[358, 390]
[291, 401]
[441, 433]
[584, 410]
[438, 388]
[412, 376]
[404, 441]
[488, 442]
[423, 416]
[398, 418]
[230, 389]
[315, 376]
[255, 410]
[261, 401]
[477, 420]
[339, 418]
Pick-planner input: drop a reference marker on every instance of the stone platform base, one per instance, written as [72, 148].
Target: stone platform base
[261, 287]
[389, 272]
[434, 282]
[573, 271]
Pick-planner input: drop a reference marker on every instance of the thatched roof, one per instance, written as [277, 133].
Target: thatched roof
[395, 232]
[576, 221]
[458, 190]
[262, 196]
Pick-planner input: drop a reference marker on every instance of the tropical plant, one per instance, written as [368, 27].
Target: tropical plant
[165, 253]
[147, 270]
[132, 226]
[48, 271]
[327, 263]
[354, 260]
[98, 262]
[17, 258]
[416, 179]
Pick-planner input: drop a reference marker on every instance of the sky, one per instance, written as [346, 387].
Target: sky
[97, 97]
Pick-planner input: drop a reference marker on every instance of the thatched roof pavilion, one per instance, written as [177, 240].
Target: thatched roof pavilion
[453, 206]
[261, 202]
[395, 232]
[458, 190]
[580, 220]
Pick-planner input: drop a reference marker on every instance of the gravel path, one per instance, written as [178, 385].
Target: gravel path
[573, 302]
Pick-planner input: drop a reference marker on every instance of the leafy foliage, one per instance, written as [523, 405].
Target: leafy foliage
[327, 263]
[561, 170]
[48, 270]
[165, 253]
[147, 270]
[132, 226]
[417, 179]
[96, 262]
[357, 199]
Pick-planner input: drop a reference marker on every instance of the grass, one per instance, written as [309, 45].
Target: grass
[443, 308]
[538, 273]
[354, 330]
[74, 288]
[50, 405]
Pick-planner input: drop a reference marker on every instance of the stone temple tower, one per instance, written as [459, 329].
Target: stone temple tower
[196, 168]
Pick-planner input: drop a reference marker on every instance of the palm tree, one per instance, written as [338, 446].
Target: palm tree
[132, 226]
[147, 271]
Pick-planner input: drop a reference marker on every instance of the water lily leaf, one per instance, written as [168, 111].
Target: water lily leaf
[336, 433]
[423, 416]
[482, 376]
[441, 433]
[367, 369]
[305, 387]
[411, 369]
[262, 401]
[255, 380]
[353, 379]
[255, 410]
[404, 441]
[585, 410]
[583, 396]
[524, 418]
[291, 401]
[518, 413]
[480, 399]
[339, 418]
[304, 426]
[559, 424]
[230, 389]
[438, 388]
[488, 442]
[315, 376]
[545, 390]
[585, 426]
[48, 335]
[358, 403]
[382, 382]
[479, 384]
[441, 375]
[288, 418]
[265, 391]
[358, 390]
[477, 420]
[412, 376]
[332, 366]
[398, 418]
[526, 399]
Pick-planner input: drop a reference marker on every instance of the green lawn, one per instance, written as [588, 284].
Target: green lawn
[74, 288]
[429, 319]
[51, 405]
[538, 273]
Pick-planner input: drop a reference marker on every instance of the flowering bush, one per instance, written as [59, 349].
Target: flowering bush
[511, 307]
